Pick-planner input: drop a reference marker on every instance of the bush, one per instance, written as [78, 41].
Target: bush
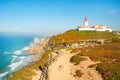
[109, 71]
[76, 59]
[78, 73]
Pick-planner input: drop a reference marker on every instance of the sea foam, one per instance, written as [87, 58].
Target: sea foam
[14, 57]
[15, 65]
[3, 74]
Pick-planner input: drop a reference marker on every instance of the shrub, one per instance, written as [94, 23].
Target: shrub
[109, 71]
[78, 73]
[76, 59]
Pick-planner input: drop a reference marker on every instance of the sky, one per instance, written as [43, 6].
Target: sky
[48, 17]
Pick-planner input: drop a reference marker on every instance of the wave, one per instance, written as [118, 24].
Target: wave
[3, 74]
[20, 51]
[14, 57]
[7, 52]
[18, 58]
[23, 60]
[23, 57]
[25, 48]
[15, 65]
[31, 44]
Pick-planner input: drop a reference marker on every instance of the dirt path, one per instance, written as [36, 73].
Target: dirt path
[88, 73]
[37, 76]
[62, 69]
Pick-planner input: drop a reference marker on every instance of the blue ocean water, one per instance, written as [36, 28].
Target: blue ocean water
[13, 53]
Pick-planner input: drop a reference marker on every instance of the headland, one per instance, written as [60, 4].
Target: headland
[74, 55]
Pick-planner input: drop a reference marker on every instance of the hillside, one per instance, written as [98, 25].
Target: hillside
[75, 35]
[107, 53]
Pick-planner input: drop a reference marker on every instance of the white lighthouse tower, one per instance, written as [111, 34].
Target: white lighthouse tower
[86, 22]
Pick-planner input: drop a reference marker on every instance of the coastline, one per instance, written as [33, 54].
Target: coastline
[13, 53]
[38, 50]
[76, 53]
[35, 56]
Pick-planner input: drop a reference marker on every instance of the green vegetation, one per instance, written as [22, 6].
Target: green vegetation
[75, 36]
[76, 59]
[92, 66]
[27, 72]
[78, 73]
[105, 52]
[109, 71]
[109, 55]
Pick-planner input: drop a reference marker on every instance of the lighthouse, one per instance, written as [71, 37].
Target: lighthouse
[86, 22]
[86, 27]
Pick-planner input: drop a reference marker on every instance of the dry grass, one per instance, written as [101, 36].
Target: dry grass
[74, 36]
[109, 55]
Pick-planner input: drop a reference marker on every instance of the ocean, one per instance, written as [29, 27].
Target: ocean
[13, 53]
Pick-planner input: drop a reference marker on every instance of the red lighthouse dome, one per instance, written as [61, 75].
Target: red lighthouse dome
[86, 19]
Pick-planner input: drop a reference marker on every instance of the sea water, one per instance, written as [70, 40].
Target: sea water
[13, 53]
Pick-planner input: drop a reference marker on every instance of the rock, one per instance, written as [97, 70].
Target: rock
[32, 50]
[39, 48]
[75, 45]
[36, 40]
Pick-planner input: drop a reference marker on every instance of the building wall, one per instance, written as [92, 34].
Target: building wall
[83, 29]
[86, 23]
[95, 29]
[98, 27]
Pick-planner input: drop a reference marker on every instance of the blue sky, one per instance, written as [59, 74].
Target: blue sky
[55, 16]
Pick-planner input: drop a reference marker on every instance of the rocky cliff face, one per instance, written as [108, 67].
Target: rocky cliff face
[40, 47]
[36, 40]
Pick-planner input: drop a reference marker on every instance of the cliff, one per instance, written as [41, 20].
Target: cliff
[39, 48]
[74, 46]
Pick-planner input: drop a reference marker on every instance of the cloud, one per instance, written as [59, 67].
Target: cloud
[112, 11]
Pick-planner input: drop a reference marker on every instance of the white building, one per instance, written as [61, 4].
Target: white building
[93, 28]
[102, 28]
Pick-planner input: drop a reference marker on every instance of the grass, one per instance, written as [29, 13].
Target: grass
[109, 71]
[75, 35]
[109, 55]
[76, 59]
[92, 66]
[106, 52]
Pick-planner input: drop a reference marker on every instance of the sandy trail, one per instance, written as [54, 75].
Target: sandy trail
[37, 76]
[62, 69]
[88, 73]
